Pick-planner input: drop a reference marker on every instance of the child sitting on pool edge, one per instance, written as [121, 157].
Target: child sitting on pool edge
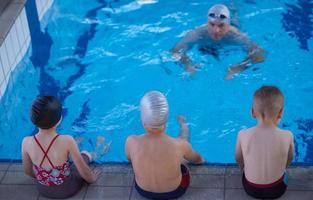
[264, 151]
[157, 158]
[46, 154]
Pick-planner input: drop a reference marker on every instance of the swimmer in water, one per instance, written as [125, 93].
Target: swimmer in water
[156, 157]
[216, 33]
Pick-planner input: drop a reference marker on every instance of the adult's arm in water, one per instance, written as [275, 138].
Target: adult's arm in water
[185, 44]
[185, 60]
[234, 69]
[255, 54]
[238, 154]
[27, 163]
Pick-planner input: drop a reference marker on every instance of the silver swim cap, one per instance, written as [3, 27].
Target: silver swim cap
[219, 13]
[154, 109]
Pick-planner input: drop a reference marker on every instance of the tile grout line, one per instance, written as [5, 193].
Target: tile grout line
[131, 188]
[5, 173]
[8, 167]
[84, 196]
[106, 186]
[18, 35]
[200, 188]
[291, 190]
[7, 76]
[19, 52]
[224, 196]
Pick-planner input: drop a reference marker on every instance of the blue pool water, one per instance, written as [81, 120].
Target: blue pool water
[101, 57]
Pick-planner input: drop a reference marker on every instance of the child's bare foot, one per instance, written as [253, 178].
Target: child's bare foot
[100, 141]
[101, 147]
[106, 148]
[94, 155]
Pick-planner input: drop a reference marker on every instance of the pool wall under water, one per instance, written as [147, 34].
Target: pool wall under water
[15, 35]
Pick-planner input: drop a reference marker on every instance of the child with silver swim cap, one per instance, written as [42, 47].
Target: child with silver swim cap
[154, 109]
[160, 152]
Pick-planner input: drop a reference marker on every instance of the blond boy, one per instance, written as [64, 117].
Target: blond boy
[264, 151]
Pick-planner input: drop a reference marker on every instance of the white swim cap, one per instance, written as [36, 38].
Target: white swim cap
[154, 109]
[219, 13]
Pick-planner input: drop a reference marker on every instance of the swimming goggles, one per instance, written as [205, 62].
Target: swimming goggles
[220, 16]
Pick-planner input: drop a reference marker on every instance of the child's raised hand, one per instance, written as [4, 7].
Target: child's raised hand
[181, 119]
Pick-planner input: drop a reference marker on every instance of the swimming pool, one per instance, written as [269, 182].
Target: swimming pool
[101, 57]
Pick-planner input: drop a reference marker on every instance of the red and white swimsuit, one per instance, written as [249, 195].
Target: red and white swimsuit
[56, 175]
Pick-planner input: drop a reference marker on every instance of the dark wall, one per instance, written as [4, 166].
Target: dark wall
[3, 4]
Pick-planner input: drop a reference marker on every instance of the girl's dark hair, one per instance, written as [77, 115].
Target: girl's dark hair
[46, 112]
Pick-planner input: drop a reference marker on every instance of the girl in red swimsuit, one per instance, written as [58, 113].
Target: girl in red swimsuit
[46, 154]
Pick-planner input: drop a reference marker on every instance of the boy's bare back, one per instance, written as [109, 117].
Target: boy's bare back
[266, 151]
[156, 160]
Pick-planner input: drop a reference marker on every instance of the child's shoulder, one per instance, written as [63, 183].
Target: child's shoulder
[66, 137]
[134, 138]
[26, 139]
[285, 133]
[245, 131]
[67, 141]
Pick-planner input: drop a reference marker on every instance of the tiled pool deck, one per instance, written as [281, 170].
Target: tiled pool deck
[117, 182]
